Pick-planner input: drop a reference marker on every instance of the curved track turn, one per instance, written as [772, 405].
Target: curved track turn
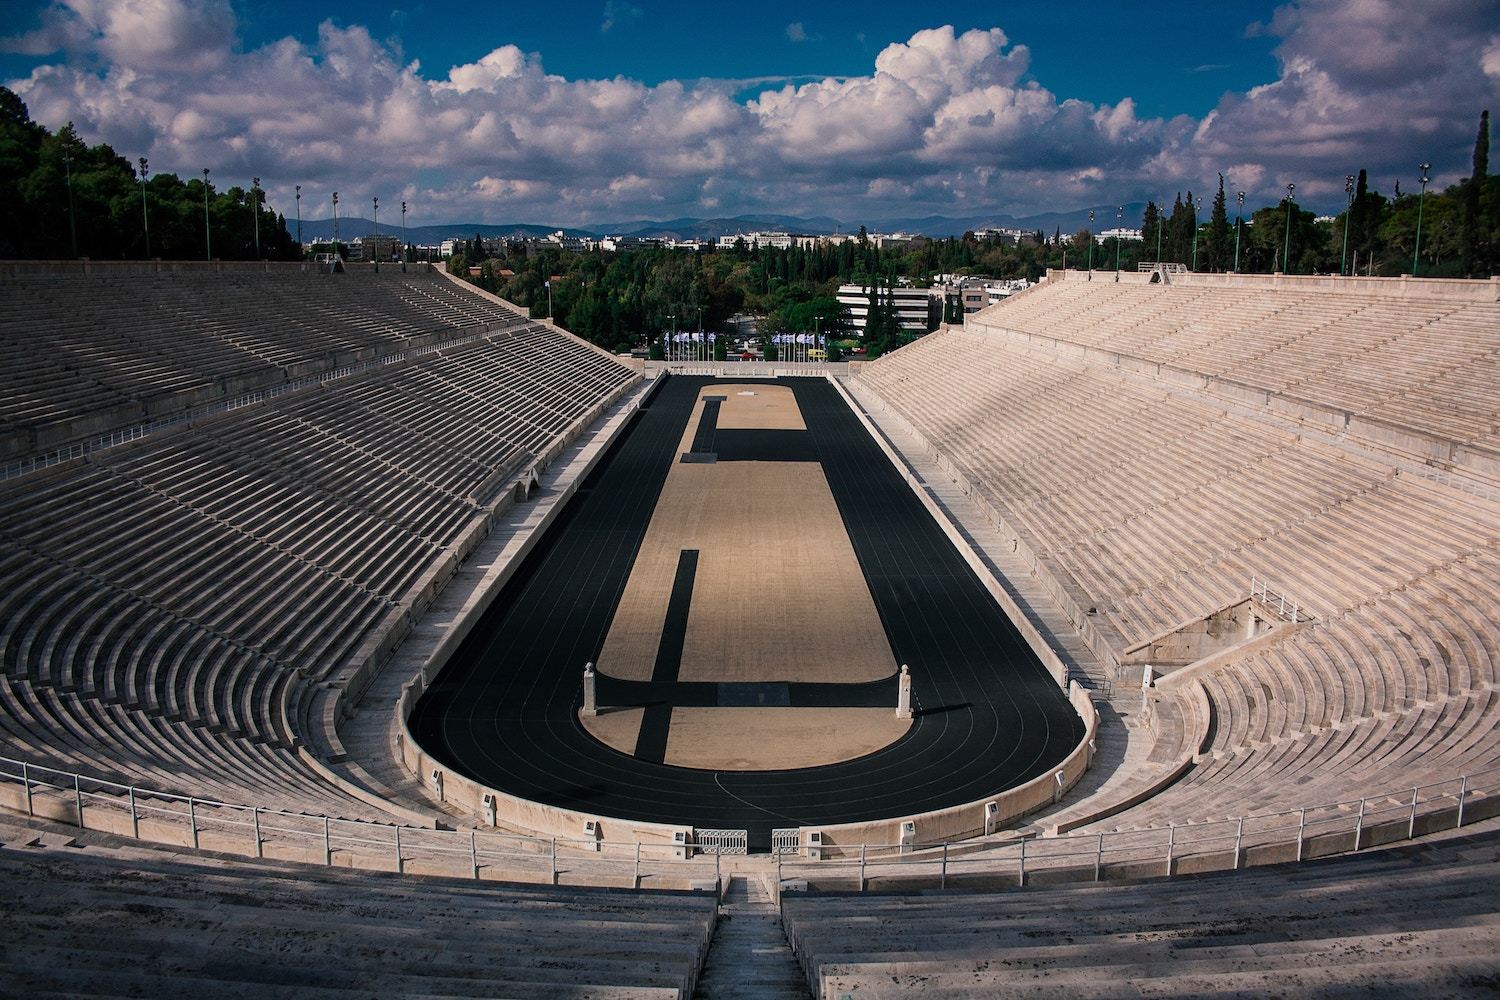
[504, 709]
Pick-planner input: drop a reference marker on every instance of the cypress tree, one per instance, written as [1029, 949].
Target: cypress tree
[1218, 232]
[1473, 242]
[1150, 221]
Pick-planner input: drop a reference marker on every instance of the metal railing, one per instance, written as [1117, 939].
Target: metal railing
[1463, 484]
[263, 832]
[1279, 603]
[1299, 834]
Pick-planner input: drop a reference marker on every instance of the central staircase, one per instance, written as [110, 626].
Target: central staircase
[749, 958]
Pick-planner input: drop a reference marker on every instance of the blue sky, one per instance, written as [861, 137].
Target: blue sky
[616, 109]
[1175, 58]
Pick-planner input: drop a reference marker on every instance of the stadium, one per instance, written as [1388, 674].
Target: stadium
[360, 633]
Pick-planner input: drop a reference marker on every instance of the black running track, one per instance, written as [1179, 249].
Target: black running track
[504, 709]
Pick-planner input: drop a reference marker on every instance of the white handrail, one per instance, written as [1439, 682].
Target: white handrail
[1312, 831]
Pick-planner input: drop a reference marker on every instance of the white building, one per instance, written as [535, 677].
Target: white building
[1003, 235]
[779, 241]
[911, 305]
[576, 244]
[1124, 234]
[998, 291]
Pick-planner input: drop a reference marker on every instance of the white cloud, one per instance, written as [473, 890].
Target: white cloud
[145, 35]
[796, 32]
[944, 122]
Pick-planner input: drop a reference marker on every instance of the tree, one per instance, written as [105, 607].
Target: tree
[1151, 221]
[1219, 236]
[1180, 230]
[1475, 233]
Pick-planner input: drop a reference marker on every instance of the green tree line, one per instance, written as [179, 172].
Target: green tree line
[60, 198]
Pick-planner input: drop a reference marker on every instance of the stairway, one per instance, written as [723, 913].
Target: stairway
[749, 958]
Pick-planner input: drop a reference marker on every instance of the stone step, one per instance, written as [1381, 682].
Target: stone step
[749, 957]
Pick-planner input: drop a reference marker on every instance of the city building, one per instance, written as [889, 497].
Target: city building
[911, 305]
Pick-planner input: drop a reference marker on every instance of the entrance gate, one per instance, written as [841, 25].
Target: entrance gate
[722, 841]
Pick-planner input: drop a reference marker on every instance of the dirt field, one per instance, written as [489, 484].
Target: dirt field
[778, 596]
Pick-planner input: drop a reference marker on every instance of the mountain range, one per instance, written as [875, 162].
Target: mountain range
[708, 229]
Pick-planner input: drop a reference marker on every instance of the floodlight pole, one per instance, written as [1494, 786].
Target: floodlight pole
[300, 247]
[1091, 249]
[1239, 224]
[255, 208]
[1195, 231]
[335, 228]
[208, 240]
[1416, 247]
[1160, 218]
[1348, 211]
[72, 226]
[1286, 247]
[403, 237]
[1119, 227]
[145, 217]
[375, 253]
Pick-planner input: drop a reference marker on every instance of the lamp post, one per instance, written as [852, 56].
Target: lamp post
[299, 219]
[145, 218]
[208, 240]
[335, 230]
[1286, 246]
[1239, 224]
[1348, 211]
[1160, 218]
[255, 210]
[1417, 246]
[671, 340]
[1195, 230]
[1119, 226]
[375, 253]
[1091, 244]
[403, 237]
[68, 173]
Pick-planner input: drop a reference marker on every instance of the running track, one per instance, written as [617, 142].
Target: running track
[504, 709]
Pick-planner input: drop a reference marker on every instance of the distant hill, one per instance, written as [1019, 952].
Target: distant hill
[707, 229]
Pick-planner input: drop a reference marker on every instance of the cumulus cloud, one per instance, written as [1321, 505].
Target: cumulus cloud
[944, 122]
[145, 35]
[1371, 84]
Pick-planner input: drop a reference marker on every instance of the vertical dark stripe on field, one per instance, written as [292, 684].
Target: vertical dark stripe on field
[656, 722]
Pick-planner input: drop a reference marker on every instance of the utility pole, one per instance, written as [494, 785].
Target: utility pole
[145, 218]
[1348, 211]
[1286, 249]
[72, 226]
[1239, 224]
[208, 240]
[1417, 246]
[1119, 227]
[1091, 244]
[1195, 231]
